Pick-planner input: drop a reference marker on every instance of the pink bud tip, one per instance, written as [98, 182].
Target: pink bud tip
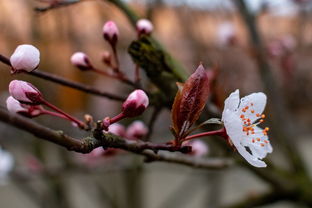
[117, 129]
[25, 58]
[135, 104]
[14, 106]
[137, 130]
[199, 148]
[81, 60]
[110, 32]
[25, 92]
[144, 26]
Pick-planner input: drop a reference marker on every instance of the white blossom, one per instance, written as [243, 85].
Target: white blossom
[241, 117]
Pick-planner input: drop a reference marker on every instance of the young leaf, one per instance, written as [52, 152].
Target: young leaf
[190, 101]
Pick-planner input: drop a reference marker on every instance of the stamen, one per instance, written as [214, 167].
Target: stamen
[262, 116]
[252, 111]
[258, 139]
[262, 145]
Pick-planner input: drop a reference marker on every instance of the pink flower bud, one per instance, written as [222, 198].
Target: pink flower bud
[110, 32]
[25, 58]
[117, 129]
[135, 104]
[199, 148]
[14, 106]
[144, 26]
[107, 58]
[25, 92]
[137, 130]
[81, 60]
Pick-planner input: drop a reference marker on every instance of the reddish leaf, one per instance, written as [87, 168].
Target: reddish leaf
[190, 101]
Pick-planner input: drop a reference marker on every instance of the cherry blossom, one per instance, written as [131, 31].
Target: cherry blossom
[241, 117]
[25, 58]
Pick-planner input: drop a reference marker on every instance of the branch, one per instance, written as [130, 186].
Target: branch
[56, 5]
[66, 82]
[87, 144]
[159, 66]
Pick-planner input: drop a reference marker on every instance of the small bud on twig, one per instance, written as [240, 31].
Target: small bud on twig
[14, 106]
[81, 61]
[25, 92]
[137, 130]
[135, 104]
[110, 32]
[107, 58]
[144, 26]
[25, 58]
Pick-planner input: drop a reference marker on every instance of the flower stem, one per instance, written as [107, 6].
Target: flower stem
[116, 67]
[137, 74]
[71, 118]
[117, 118]
[219, 132]
[51, 113]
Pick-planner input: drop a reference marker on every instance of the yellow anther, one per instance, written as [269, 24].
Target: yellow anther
[262, 116]
[252, 111]
[262, 145]
[258, 139]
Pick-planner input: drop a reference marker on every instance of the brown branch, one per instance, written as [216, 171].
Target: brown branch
[66, 82]
[87, 144]
[56, 5]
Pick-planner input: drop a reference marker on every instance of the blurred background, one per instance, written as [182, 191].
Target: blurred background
[211, 32]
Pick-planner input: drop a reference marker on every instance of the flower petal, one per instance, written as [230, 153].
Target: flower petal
[233, 126]
[252, 106]
[232, 102]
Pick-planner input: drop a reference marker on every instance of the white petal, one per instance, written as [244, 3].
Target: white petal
[234, 126]
[232, 102]
[250, 158]
[258, 143]
[255, 102]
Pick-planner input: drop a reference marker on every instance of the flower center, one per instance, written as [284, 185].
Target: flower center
[248, 127]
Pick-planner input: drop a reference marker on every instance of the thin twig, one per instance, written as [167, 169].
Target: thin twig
[66, 82]
[56, 5]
